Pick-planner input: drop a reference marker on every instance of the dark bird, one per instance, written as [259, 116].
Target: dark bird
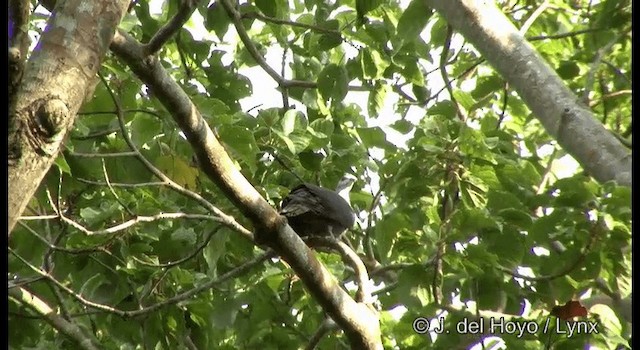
[317, 211]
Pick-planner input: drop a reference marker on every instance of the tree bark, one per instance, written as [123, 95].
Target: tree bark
[59, 75]
[566, 119]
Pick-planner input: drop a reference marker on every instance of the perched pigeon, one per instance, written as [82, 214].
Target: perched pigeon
[316, 211]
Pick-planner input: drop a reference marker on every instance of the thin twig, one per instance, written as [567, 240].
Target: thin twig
[138, 219]
[96, 134]
[445, 76]
[326, 326]
[617, 71]
[596, 63]
[119, 184]
[113, 192]
[93, 249]
[527, 24]
[102, 155]
[186, 258]
[608, 96]
[219, 215]
[257, 15]
[236, 18]
[505, 101]
[377, 197]
[239, 270]
[593, 234]
[170, 28]
[563, 35]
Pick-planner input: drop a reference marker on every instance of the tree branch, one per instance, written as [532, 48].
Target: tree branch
[69, 329]
[239, 270]
[357, 320]
[571, 123]
[223, 218]
[362, 278]
[170, 28]
[260, 16]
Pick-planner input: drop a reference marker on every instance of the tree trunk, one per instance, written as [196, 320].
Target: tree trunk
[59, 75]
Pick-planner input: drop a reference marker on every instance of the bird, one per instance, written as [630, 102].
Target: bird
[317, 211]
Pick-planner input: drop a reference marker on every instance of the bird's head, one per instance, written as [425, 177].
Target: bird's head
[344, 186]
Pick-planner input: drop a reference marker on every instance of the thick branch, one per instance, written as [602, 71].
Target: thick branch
[350, 257]
[63, 326]
[575, 127]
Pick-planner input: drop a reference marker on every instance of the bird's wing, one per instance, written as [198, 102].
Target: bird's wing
[301, 200]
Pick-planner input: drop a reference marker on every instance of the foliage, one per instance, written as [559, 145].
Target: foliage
[457, 214]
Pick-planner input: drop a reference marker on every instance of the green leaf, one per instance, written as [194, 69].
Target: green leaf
[293, 120]
[217, 19]
[516, 217]
[372, 63]
[574, 191]
[92, 216]
[225, 313]
[97, 289]
[413, 20]
[295, 142]
[464, 99]
[412, 72]
[268, 7]
[333, 82]
[509, 245]
[443, 108]
[311, 161]
[490, 293]
[321, 128]
[365, 6]
[300, 141]
[62, 164]
[386, 233]
[486, 86]
[214, 250]
[328, 41]
[144, 128]
[403, 126]
[241, 142]
[568, 70]
[186, 236]
[376, 99]
[178, 170]
[420, 92]
[269, 116]
[472, 220]
[412, 286]
[373, 137]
